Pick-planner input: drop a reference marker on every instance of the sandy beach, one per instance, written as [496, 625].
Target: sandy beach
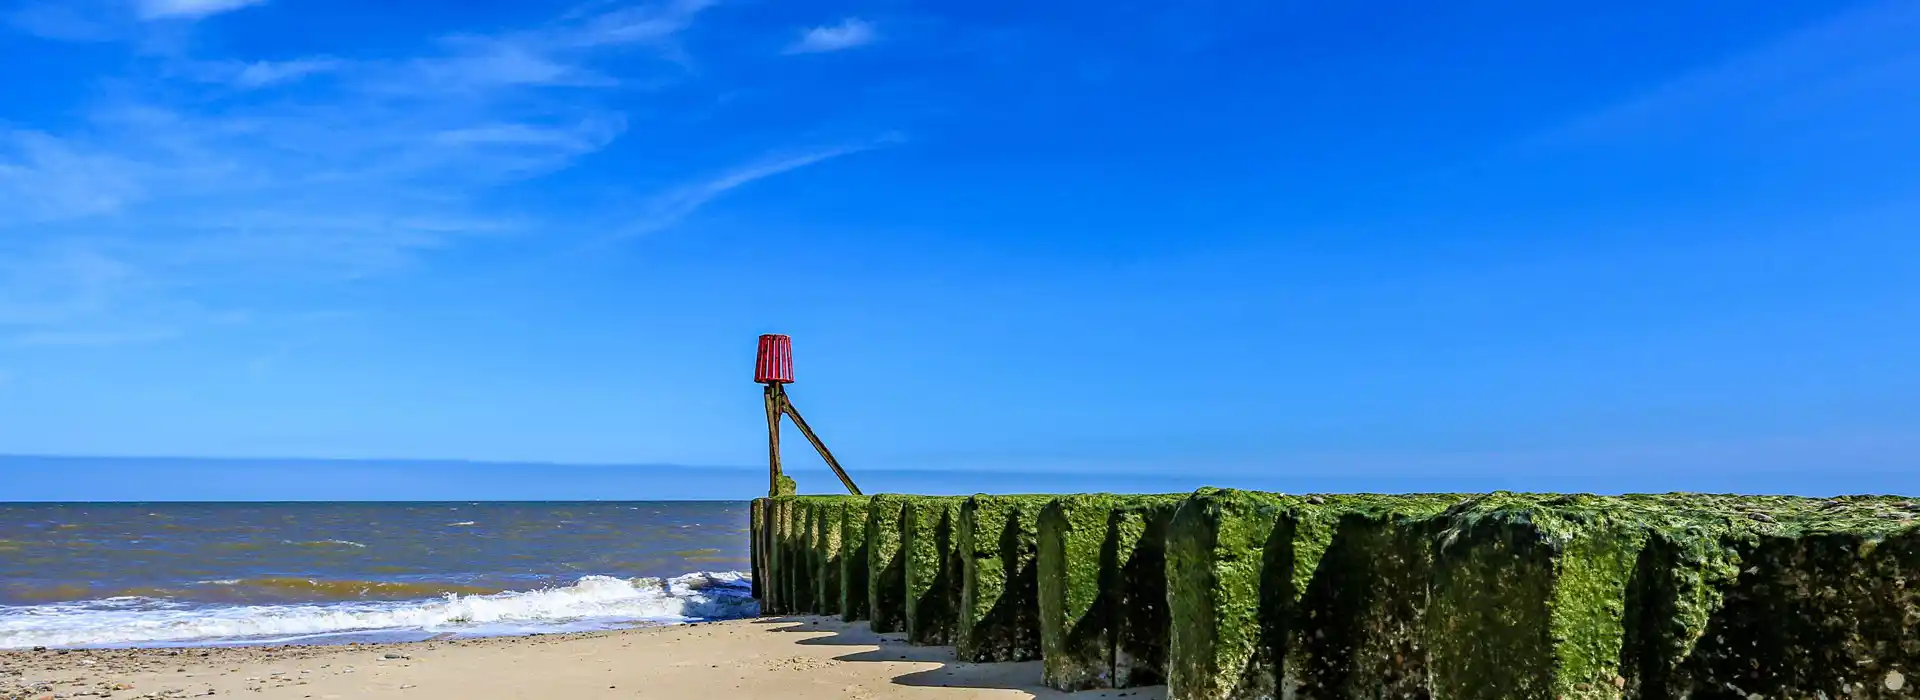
[796, 658]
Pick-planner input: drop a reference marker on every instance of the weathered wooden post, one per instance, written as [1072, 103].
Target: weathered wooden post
[774, 368]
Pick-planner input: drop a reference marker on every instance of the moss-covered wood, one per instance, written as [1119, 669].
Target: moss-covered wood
[853, 564]
[774, 543]
[999, 615]
[1356, 625]
[799, 557]
[756, 524]
[886, 564]
[932, 569]
[1141, 635]
[1775, 597]
[1529, 598]
[829, 514]
[1218, 593]
[1496, 596]
[1076, 597]
[1102, 579]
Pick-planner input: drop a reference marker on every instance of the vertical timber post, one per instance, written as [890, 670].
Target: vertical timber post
[773, 367]
[773, 440]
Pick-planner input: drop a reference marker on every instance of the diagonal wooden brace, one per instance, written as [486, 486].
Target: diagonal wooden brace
[786, 406]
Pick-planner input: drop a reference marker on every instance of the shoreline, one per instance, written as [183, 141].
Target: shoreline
[591, 603]
[797, 658]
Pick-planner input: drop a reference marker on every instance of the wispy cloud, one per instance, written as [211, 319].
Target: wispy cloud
[86, 339]
[1860, 67]
[167, 193]
[263, 73]
[78, 20]
[849, 33]
[199, 180]
[190, 9]
[670, 208]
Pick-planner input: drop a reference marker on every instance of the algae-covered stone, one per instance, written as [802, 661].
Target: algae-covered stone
[1529, 598]
[1219, 594]
[853, 564]
[886, 564]
[999, 616]
[1102, 566]
[932, 569]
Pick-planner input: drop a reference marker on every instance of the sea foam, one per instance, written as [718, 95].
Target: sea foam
[593, 602]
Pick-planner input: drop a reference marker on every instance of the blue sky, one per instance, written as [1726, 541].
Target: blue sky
[1627, 246]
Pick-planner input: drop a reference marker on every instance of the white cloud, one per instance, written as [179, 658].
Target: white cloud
[673, 206]
[92, 339]
[111, 230]
[849, 33]
[556, 55]
[175, 195]
[1859, 67]
[264, 73]
[43, 178]
[190, 9]
[72, 20]
[639, 24]
[579, 137]
[252, 75]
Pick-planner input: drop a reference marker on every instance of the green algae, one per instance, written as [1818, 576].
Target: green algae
[756, 526]
[1502, 595]
[818, 551]
[1217, 573]
[886, 564]
[1801, 598]
[799, 555]
[1075, 594]
[824, 543]
[1608, 597]
[1242, 571]
[1102, 590]
[998, 617]
[780, 557]
[932, 568]
[853, 564]
[1354, 623]
[1137, 534]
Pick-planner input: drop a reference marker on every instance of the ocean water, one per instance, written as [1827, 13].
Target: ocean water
[196, 574]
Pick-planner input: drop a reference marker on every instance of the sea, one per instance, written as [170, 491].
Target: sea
[214, 574]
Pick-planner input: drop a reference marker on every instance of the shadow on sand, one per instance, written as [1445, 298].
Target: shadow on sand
[1022, 676]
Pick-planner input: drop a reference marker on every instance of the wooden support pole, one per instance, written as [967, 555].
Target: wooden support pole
[774, 399]
[801, 423]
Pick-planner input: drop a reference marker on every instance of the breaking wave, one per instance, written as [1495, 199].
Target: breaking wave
[593, 602]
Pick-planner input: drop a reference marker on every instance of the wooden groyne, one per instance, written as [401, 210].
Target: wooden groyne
[1235, 594]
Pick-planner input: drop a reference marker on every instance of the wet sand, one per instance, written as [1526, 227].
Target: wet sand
[790, 658]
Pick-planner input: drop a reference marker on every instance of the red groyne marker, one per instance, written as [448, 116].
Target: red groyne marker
[775, 363]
